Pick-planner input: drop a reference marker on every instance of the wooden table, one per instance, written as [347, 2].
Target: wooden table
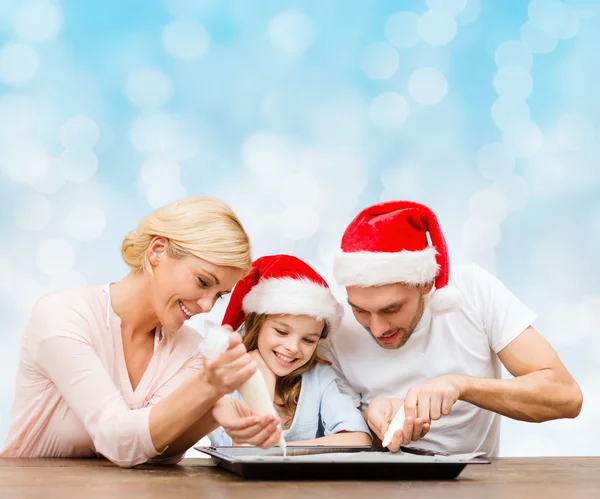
[548, 478]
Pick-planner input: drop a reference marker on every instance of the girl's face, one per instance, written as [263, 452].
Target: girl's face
[287, 342]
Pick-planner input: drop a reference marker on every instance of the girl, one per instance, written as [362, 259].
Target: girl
[112, 370]
[286, 308]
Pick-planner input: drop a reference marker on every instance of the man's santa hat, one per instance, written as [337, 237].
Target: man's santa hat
[282, 284]
[388, 243]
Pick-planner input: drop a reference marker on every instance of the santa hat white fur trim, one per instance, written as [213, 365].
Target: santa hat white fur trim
[294, 297]
[365, 268]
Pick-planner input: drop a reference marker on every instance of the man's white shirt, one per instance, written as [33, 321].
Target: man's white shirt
[465, 342]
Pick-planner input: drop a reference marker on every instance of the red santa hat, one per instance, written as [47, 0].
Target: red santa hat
[282, 284]
[388, 243]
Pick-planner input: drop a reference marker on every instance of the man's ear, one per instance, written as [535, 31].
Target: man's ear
[426, 288]
[157, 250]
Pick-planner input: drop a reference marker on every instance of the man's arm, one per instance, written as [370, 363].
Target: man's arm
[542, 389]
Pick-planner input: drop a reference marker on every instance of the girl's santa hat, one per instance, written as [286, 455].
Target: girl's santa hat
[390, 243]
[282, 284]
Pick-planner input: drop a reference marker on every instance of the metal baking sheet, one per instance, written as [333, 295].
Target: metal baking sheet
[340, 463]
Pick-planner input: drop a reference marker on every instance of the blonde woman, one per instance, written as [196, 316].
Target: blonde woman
[113, 371]
[286, 308]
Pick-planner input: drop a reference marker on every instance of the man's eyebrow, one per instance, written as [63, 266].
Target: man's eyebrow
[393, 305]
[355, 306]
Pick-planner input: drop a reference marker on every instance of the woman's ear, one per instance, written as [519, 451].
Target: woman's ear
[157, 250]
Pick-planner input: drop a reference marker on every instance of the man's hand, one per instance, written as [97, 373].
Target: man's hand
[379, 415]
[433, 399]
[243, 427]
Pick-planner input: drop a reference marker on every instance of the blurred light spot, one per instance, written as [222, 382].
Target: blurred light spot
[292, 31]
[18, 63]
[265, 154]
[70, 279]
[509, 112]
[7, 276]
[554, 18]
[489, 204]
[154, 133]
[78, 164]
[185, 40]
[33, 212]
[38, 21]
[148, 88]
[25, 161]
[55, 257]
[160, 171]
[575, 131]
[161, 194]
[79, 131]
[437, 27]
[513, 82]
[479, 234]
[523, 139]
[19, 117]
[452, 7]
[401, 182]
[183, 8]
[470, 13]
[379, 61]
[547, 175]
[300, 189]
[389, 110]
[327, 249]
[513, 53]
[515, 189]
[536, 40]
[494, 161]
[299, 222]
[401, 29]
[85, 222]
[427, 86]
[51, 180]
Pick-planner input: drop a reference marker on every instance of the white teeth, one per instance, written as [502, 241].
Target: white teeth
[284, 358]
[185, 309]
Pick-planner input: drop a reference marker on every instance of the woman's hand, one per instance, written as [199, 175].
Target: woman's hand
[227, 372]
[243, 427]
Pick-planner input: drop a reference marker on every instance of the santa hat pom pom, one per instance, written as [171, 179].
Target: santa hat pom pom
[444, 300]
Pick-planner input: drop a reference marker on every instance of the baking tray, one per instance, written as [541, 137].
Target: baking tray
[338, 463]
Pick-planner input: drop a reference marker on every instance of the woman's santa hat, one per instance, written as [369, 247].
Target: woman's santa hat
[282, 284]
[388, 243]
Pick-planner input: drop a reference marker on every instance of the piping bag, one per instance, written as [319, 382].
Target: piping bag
[254, 391]
[396, 424]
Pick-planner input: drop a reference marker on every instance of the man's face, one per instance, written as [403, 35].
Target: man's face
[390, 313]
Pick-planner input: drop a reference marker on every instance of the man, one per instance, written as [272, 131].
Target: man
[434, 341]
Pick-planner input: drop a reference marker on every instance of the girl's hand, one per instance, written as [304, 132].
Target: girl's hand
[243, 427]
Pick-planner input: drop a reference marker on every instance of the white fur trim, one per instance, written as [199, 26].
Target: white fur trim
[365, 268]
[444, 300]
[294, 297]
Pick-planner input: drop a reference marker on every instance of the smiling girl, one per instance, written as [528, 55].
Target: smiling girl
[286, 308]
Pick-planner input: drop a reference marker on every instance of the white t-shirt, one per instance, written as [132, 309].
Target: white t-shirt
[465, 342]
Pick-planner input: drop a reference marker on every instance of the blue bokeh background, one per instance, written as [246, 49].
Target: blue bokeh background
[298, 114]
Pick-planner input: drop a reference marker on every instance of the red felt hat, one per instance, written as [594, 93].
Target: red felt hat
[388, 243]
[282, 284]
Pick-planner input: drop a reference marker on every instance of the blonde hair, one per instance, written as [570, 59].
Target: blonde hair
[287, 387]
[204, 227]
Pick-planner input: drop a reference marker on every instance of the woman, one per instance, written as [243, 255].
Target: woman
[113, 371]
[287, 308]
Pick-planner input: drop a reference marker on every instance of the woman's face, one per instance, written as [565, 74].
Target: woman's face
[287, 342]
[184, 287]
